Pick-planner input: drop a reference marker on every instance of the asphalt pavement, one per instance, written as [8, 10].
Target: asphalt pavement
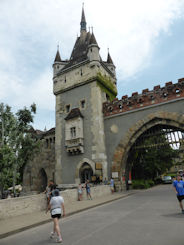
[23, 222]
[150, 217]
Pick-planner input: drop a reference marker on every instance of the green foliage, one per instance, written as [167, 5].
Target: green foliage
[142, 184]
[150, 162]
[17, 145]
[107, 86]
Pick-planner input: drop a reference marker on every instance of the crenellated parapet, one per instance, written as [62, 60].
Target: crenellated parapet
[147, 98]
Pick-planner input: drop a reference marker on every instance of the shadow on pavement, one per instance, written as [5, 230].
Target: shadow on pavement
[174, 215]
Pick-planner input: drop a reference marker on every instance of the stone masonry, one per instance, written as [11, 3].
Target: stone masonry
[94, 129]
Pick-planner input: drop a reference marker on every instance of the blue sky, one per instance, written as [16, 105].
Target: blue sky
[166, 62]
[145, 38]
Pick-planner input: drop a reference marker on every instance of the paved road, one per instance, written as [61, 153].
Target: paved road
[149, 217]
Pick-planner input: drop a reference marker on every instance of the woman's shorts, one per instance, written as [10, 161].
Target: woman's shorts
[56, 216]
[180, 198]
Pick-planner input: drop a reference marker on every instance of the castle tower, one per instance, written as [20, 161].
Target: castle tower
[81, 85]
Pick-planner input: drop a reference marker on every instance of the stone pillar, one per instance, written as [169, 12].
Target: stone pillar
[58, 140]
[97, 128]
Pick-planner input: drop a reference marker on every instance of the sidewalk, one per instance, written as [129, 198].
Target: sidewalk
[23, 222]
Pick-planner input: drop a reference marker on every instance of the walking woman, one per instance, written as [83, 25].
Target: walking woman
[56, 207]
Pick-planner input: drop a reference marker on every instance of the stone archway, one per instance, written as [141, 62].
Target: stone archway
[85, 172]
[123, 148]
[42, 180]
[82, 164]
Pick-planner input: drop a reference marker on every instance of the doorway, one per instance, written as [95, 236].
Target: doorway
[86, 172]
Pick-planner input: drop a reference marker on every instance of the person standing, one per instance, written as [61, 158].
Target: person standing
[48, 193]
[56, 207]
[105, 182]
[112, 185]
[48, 190]
[179, 189]
[88, 190]
[80, 191]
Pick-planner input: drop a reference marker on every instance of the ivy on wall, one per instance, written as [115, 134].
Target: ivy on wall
[107, 86]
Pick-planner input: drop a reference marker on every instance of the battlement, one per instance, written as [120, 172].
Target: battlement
[137, 101]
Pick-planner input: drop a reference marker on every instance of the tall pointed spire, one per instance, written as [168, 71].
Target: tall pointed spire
[93, 39]
[109, 59]
[58, 57]
[83, 20]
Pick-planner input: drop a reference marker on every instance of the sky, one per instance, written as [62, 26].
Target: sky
[145, 40]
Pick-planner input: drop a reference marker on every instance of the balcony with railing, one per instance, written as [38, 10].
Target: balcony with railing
[75, 145]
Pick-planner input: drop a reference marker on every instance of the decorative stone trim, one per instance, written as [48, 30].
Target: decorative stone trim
[137, 101]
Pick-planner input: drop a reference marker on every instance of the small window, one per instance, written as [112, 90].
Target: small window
[83, 103]
[177, 91]
[67, 108]
[73, 132]
[107, 97]
[47, 143]
[57, 67]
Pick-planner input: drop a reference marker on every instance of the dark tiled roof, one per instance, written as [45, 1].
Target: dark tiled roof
[50, 131]
[58, 57]
[80, 49]
[38, 131]
[93, 40]
[74, 113]
[109, 60]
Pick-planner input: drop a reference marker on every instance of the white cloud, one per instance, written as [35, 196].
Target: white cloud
[132, 28]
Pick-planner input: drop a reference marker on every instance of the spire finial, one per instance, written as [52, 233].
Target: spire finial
[83, 20]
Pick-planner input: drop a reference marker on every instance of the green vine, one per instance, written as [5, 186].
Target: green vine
[107, 86]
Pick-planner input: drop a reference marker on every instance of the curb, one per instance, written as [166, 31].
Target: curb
[69, 214]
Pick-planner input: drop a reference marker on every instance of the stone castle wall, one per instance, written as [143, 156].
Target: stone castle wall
[147, 98]
[35, 203]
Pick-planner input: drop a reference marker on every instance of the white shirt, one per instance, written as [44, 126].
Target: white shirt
[56, 205]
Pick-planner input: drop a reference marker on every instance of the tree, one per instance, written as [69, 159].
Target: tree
[17, 144]
[153, 160]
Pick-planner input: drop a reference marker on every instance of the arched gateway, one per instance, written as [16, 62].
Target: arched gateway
[173, 120]
[42, 180]
[85, 169]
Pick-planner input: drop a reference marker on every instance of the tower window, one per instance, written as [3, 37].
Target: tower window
[73, 132]
[83, 103]
[67, 108]
[107, 97]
